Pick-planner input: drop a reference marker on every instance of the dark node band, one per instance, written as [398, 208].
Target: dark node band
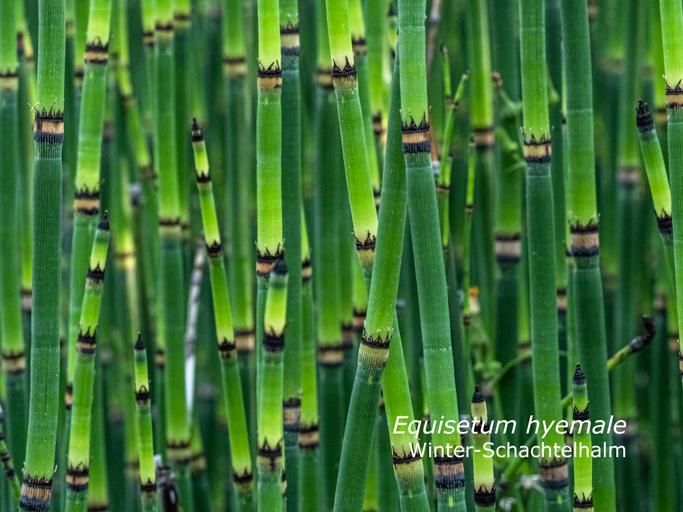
[148, 487]
[585, 240]
[164, 27]
[330, 355]
[244, 339]
[86, 342]
[265, 262]
[508, 248]
[537, 150]
[405, 458]
[309, 436]
[13, 362]
[270, 455]
[215, 249]
[359, 45]
[242, 478]
[86, 201]
[644, 119]
[96, 274]
[11, 74]
[674, 96]
[98, 507]
[581, 415]
[366, 245]
[166, 222]
[142, 395]
[375, 342]
[196, 131]
[347, 71]
[273, 342]
[77, 478]
[48, 127]
[179, 451]
[323, 78]
[484, 137]
[485, 497]
[96, 52]
[35, 494]
[554, 474]
[273, 70]
[160, 358]
[226, 348]
[292, 413]
[584, 502]
[665, 224]
[449, 473]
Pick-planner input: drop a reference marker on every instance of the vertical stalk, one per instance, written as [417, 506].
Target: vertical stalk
[148, 495]
[78, 465]
[309, 435]
[225, 334]
[12, 347]
[429, 265]
[291, 221]
[240, 263]
[541, 240]
[49, 140]
[7, 464]
[583, 463]
[484, 478]
[171, 276]
[270, 415]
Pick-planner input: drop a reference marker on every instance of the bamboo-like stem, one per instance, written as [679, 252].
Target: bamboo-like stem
[484, 478]
[327, 263]
[77, 472]
[291, 220]
[380, 354]
[583, 464]
[541, 240]
[655, 168]
[27, 96]
[49, 138]
[378, 53]
[672, 25]
[225, 335]
[148, 495]
[7, 464]
[12, 347]
[351, 127]
[240, 264]
[483, 132]
[309, 435]
[171, 276]
[430, 272]
[98, 485]
[270, 412]
[584, 235]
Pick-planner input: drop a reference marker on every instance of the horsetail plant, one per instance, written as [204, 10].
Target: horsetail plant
[655, 168]
[7, 464]
[86, 203]
[541, 241]
[291, 215]
[11, 331]
[351, 128]
[77, 472]
[583, 464]
[309, 433]
[380, 357]
[484, 478]
[429, 265]
[240, 263]
[584, 234]
[330, 353]
[171, 275]
[225, 334]
[270, 412]
[48, 130]
[148, 495]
